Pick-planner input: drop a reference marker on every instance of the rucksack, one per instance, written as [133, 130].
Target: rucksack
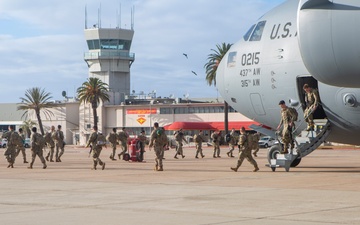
[294, 114]
[227, 138]
[16, 139]
[47, 137]
[100, 140]
[111, 137]
[40, 141]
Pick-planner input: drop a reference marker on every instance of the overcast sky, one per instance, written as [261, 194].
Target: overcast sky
[42, 42]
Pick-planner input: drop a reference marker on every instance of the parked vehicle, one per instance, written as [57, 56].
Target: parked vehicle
[3, 143]
[27, 143]
[266, 142]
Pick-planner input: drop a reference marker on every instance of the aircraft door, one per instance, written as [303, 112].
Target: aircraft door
[257, 104]
[313, 83]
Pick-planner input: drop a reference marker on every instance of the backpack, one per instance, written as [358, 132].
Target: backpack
[197, 138]
[40, 141]
[294, 114]
[16, 139]
[227, 138]
[47, 137]
[111, 137]
[100, 140]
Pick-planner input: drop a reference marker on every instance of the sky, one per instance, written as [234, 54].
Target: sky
[42, 43]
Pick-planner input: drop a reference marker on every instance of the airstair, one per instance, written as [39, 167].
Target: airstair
[305, 143]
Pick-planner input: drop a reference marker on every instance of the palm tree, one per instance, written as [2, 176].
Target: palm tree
[37, 99]
[27, 125]
[211, 67]
[92, 91]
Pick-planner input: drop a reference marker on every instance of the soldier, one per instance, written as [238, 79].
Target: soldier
[112, 138]
[288, 124]
[10, 153]
[233, 142]
[50, 142]
[216, 137]
[245, 151]
[20, 146]
[123, 138]
[179, 138]
[142, 138]
[96, 148]
[199, 138]
[59, 143]
[37, 144]
[157, 140]
[255, 143]
[312, 102]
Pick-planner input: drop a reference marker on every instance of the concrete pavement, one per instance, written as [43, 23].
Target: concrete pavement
[323, 189]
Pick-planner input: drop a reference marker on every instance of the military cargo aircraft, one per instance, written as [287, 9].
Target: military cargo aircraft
[315, 42]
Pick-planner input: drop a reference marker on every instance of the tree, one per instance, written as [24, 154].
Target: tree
[93, 91]
[37, 99]
[211, 66]
[27, 125]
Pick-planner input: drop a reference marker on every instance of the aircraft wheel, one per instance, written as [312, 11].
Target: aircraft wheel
[126, 157]
[273, 152]
[296, 162]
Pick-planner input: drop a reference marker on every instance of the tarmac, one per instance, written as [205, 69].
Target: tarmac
[322, 189]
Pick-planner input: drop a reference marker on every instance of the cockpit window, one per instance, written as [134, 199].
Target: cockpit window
[256, 35]
[248, 33]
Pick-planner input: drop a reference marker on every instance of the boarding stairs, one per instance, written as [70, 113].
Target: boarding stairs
[305, 143]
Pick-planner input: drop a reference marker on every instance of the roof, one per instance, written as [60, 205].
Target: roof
[209, 125]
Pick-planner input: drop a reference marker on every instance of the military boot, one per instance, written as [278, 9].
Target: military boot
[47, 158]
[202, 156]
[228, 154]
[30, 166]
[103, 166]
[44, 166]
[25, 161]
[234, 168]
[256, 169]
[160, 168]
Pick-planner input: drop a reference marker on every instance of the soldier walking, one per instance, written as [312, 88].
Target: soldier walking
[123, 138]
[20, 146]
[37, 144]
[10, 153]
[216, 137]
[288, 124]
[199, 138]
[59, 143]
[245, 151]
[49, 139]
[96, 148]
[255, 144]
[312, 102]
[158, 139]
[112, 138]
[179, 138]
[233, 142]
[142, 138]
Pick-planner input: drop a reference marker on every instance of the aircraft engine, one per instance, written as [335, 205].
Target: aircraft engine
[329, 40]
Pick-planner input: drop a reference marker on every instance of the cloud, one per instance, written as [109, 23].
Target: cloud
[44, 42]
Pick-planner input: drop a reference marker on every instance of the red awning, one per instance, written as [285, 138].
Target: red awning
[209, 125]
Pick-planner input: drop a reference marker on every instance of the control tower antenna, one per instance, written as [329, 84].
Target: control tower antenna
[119, 17]
[132, 17]
[99, 17]
[85, 17]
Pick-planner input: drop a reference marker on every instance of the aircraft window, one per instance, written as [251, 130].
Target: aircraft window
[231, 59]
[256, 35]
[247, 35]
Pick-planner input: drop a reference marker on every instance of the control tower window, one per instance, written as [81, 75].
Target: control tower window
[247, 35]
[256, 35]
[110, 44]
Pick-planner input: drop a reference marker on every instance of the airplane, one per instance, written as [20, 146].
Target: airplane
[315, 42]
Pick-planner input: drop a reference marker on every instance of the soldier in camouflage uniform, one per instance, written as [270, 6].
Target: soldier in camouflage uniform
[312, 102]
[112, 138]
[142, 138]
[245, 151]
[157, 139]
[36, 149]
[255, 143]
[10, 153]
[123, 138]
[20, 146]
[234, 137]
[179, 138]
[49, 138]
[199, 138]
[288, 125]
[59, 143]
[95, 149]
[216, 137]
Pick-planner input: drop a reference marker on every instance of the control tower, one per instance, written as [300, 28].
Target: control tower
[109, 59]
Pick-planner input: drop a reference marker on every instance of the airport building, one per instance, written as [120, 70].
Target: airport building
[109, 59]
